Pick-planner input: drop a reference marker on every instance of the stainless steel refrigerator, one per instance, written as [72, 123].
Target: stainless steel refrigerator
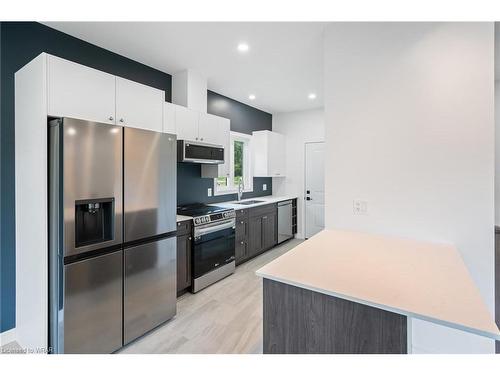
[112, 245]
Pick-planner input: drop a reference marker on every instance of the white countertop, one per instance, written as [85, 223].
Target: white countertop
[233, 204]
[263, 201]
[417, 279]
[183, 218]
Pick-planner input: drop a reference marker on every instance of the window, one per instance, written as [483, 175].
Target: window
[239, 164]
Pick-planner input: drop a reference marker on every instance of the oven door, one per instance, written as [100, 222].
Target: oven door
[213, 249]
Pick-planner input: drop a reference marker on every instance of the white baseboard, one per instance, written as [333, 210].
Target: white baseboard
[8, 336]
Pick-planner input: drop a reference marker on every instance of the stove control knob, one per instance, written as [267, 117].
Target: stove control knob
[197, 221]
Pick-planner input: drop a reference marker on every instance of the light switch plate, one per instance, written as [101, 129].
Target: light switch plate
[360, 207]
[264, 187]
[209, 191]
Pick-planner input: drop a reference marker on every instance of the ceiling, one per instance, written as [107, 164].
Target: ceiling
[282, 66]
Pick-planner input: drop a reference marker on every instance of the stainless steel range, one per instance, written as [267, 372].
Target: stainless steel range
[213, 245]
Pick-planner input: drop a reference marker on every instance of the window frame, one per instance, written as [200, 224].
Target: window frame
[247, 165]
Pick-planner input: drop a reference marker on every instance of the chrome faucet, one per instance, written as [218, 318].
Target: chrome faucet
[240, 189]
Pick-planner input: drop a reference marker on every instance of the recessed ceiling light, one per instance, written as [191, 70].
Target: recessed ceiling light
[243, 47]
[312, 96]
[251, 97]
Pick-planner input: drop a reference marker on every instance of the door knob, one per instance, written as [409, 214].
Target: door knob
[110, 118]
[308, 199]
[121, 120]
[308, 191]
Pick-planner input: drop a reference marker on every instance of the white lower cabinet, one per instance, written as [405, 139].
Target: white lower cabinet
[139, 106]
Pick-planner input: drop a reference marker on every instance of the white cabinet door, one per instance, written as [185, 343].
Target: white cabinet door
[269, 155]
[169, 118]
[224, 139]
[277, 154]
[80, 92]
[210, 130]
[186, 122]
[139, 106]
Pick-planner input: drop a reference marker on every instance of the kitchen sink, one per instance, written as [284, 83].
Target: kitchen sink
[246, 203]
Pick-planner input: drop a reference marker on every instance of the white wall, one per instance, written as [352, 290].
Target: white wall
[298, 127]
[409, 128]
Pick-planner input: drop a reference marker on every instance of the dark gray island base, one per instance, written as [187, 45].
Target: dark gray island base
[301, 321]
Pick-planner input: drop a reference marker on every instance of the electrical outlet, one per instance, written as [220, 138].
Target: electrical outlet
[264, 187]
[209, 192]
[360, 207]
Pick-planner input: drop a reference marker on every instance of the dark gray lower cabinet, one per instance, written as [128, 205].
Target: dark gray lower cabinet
[241, 253]
[301, 321]
[269, 230]
[183, 262]
[256, 231]
[184, 250]
[255, 244]
[497, 281]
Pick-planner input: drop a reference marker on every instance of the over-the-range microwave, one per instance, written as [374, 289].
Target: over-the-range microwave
[198, 152]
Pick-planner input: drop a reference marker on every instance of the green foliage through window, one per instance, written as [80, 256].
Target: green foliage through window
[238, 162]
[222, 181]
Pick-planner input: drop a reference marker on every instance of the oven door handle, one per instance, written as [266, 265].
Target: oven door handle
[200, 231]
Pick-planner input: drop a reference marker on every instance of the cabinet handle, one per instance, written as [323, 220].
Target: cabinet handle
[264, 217]
[241, 222]
[121, 120]
[111, 118]
[201, 139]
[196, 138]
[189, 238]
[242, 243]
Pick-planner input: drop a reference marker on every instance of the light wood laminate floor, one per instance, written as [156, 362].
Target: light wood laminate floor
[226, 317]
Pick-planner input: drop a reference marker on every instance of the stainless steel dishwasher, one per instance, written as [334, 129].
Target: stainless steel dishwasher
[284, 221]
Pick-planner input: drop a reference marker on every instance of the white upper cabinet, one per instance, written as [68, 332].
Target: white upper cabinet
[169, 125]
[138, 105]
[186, 123]
[221, 136]
[80, 92]
[210, 129]
[269, 154]
[224, 139]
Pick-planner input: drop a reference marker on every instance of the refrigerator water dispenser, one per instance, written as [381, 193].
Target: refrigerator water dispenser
[93, 221]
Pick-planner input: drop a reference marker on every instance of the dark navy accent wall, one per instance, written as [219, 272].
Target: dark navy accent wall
[191, 188]
[20, 43]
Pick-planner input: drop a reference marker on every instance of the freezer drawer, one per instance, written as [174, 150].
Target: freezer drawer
[93, 305]
[150, 183]
[150, 291]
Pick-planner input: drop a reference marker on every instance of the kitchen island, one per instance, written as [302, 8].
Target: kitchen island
[350, 292]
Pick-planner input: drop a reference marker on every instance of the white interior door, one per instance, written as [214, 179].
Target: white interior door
[314, 188]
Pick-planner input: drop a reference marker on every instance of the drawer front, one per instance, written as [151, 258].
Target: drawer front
[263, 210]
[241, 229]
[183, 227]
[241, 214]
